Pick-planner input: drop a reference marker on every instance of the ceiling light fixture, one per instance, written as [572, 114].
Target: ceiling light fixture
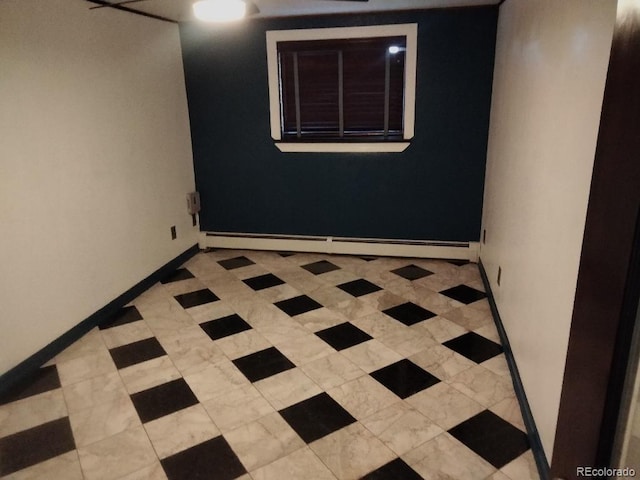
[219, 10]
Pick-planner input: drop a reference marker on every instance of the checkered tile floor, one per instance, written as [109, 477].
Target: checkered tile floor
[263, 365]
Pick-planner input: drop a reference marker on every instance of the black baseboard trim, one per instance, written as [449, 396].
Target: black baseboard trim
[29, 366]
[527, 416]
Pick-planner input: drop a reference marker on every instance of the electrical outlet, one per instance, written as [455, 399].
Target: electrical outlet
[499, 275]
[174, 234]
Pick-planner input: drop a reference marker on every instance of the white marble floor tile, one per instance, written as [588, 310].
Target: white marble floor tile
[354, 308]
[441, 362]
[490, 332]
[401, 427]
[214, 379]
[249, 271]
[232, 408]
[306, 349]
[302, 464]
[332, 371]
[469, 317]
[352, 452]
[444, 457]
[320, 319]
[85, 367]
[104, 420]
[363, 396]
[151, 373]
[379, 325]
[282, 330]
[180, 430]
[89, 344]
[497, 365]
[382, 300]
[509, 409]
[191, 349]
[440, 329]
[167, 319]
[482, 385]
[151, 472]
[371, 355]
[250, 306]
[243, 343]
[499, 476]
[210, 311]
[116, 456]
[127, 333]
[274, 436]
[522, 468]
[183, 286]
[445, 405]
[408, 341]
[287, 388]
[330, 295]
[31, 411]
[95, 391]
[435, 302]
[279, 292]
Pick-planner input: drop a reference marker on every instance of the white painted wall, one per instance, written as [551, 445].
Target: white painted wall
[550, 71]
[95, 162]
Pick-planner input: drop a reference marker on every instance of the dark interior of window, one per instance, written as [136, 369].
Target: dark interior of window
[349, 89]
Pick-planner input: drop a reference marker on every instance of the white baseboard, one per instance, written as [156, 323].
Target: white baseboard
[342, 245]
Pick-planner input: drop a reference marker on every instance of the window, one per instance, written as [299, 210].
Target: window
[342, 89]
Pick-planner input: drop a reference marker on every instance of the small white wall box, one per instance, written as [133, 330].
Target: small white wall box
[193, 203]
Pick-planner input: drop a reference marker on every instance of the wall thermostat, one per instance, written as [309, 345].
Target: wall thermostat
[193, 203]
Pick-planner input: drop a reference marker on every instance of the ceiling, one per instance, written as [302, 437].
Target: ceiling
[180, 10]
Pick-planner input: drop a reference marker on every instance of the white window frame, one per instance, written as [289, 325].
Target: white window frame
[410, 30]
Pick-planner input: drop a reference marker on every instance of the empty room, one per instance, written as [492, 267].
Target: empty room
[319, 239]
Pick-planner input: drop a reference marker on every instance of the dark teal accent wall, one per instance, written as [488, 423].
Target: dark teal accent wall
[431, 191]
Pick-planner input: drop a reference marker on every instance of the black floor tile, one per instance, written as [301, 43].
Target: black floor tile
[360, 287]
[475, 347]
[213, 459]
[223, 327]
[297, 305]
[45, 379]
[35, 445]
[322, 266]
[263, 364]
[368, 259]
[491, 437]
[286, 254]
[343, 336]
[163, 400]
[412, 272]
[404, 378]
[409, 313]
[316, 417]
[136, 352]
[263, 281]
[464, 294]
[394, 470]
[121, 317]
[237, 262]
[459, 263]
[199, 297]
[179, 274]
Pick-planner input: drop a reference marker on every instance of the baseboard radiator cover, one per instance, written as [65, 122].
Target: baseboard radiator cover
[342, 245]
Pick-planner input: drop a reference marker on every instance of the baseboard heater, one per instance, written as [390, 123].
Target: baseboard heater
[342, 245]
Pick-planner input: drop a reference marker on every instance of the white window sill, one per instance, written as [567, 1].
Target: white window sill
[373, 147]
